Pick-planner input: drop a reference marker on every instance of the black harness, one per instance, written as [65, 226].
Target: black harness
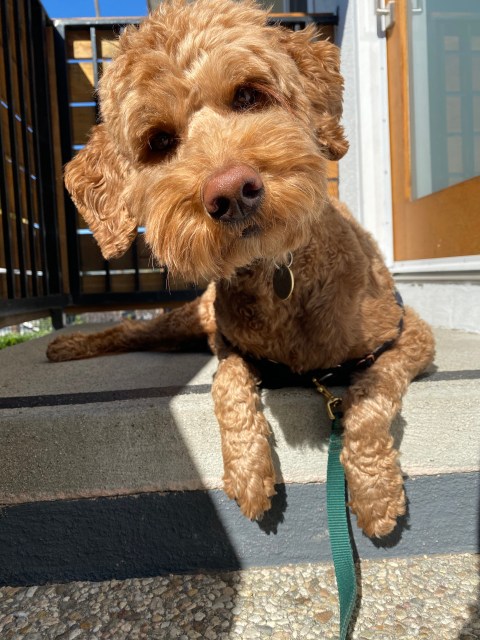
[275, 375]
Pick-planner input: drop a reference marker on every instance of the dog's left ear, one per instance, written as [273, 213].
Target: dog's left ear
[319, 64]
[96, 179]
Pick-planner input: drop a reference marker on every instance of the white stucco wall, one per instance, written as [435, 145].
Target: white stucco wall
[442, 304]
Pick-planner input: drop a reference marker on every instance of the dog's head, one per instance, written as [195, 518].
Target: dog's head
[215, 130]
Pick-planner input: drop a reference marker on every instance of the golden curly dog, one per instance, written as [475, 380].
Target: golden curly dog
[215, 132]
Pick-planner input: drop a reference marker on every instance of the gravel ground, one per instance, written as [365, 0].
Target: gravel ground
[428, 598]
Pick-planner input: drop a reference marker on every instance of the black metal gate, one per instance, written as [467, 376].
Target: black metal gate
[30, 273]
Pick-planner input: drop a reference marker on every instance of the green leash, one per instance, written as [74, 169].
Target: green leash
[337, 516]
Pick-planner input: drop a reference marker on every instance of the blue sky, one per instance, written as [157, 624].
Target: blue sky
[85, 8]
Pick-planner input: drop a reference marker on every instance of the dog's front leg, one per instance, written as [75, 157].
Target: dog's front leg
[370, 460]
[249, 475]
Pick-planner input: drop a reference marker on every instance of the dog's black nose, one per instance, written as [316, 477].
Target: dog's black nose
[233, 194]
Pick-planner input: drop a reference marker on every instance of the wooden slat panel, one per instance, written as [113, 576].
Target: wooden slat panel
[3, 286]
[332, 187]
[3, 87]
[6, 151]
[176, 283]
[3, 262]
[153, 281]
[122, 283]
[90, 256]
[83, 119]
[123, 262]
[327, 32]
[332, 177]
[13, 58]
[93, 284]
[144, 253]
[78, 43]
[26, 71]
[18, 138]
[57, 159]
[332, 170]
[5, 132]
[3, 91]
[81, 224]
[107, 44]
[80, 82]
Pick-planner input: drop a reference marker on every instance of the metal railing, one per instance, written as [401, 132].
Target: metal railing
[30, 272]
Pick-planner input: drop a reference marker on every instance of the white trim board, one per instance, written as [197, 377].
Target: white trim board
[460, 264]
[365, 177]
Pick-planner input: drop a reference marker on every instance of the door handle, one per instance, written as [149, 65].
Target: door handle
[386, 9]
[417, 6]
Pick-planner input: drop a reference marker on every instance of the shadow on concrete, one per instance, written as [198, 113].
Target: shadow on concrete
[107, 538]
[314, 431]
[470, 630]
[103, 537]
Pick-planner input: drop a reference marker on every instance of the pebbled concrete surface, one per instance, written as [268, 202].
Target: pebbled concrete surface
[432, 598]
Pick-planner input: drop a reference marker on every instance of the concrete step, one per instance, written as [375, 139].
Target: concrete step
[135, 434]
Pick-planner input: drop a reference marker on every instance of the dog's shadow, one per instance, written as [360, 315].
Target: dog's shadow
[298, 416]
[298, 424]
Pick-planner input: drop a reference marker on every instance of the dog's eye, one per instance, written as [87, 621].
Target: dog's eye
[162, 142]
[247, 97]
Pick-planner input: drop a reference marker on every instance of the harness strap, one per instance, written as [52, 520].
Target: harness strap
[275, 375]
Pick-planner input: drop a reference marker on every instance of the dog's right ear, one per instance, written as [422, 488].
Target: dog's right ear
[96, 179]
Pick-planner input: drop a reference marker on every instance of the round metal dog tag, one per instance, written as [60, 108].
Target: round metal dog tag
[283, 282]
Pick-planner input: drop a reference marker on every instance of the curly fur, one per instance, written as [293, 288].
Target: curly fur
[178, 73]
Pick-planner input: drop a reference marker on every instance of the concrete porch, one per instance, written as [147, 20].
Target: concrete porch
[104, 459]
[110, 479]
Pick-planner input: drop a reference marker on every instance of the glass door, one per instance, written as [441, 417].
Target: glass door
[434, 96]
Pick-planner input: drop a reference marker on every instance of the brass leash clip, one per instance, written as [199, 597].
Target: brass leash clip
[332, 402]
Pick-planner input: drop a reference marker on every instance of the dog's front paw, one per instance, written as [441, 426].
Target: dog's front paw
[379, 519]
[251, 490]
[377, 496]
[68, 347]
